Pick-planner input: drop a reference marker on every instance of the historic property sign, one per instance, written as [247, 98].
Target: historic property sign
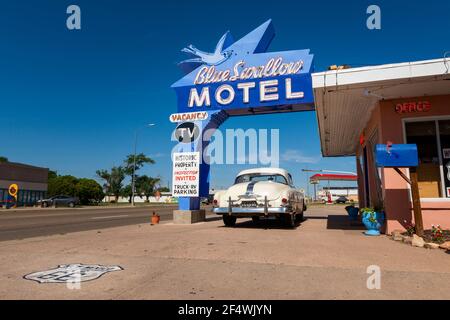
[185, 179]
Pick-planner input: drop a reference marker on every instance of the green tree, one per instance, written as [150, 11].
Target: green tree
[163, 189]
[113, 180]
[3, 159]
[146, 185]
[141, 160]
[52, 174]
[89, 191]
[64, 185]
[126, 192]
[132, 165]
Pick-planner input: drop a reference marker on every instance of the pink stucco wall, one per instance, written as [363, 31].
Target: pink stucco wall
[388, 123]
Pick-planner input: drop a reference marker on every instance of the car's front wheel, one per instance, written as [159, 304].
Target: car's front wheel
[71, 204]
[44, 204]
[229, 221]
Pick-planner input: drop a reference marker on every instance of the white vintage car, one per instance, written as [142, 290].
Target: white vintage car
[262, 192]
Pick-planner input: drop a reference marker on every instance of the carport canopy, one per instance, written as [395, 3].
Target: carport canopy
[345, 99]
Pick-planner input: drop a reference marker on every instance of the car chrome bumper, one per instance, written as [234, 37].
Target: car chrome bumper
[251, 211]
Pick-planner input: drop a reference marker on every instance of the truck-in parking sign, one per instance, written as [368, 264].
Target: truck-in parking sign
[185, 179]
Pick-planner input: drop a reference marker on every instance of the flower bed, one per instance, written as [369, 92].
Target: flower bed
[428, 236]
[436, 234]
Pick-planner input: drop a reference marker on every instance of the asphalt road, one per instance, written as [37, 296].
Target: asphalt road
[22, 224]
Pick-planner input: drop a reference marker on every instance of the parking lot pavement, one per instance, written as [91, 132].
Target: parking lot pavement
[323, 258]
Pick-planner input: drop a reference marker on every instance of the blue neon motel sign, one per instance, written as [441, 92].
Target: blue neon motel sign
[242, 78]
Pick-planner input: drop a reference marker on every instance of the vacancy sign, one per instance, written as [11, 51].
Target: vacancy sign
[188, 116]
[185, 178]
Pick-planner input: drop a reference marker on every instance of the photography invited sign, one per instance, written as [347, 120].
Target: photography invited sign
[186, 174]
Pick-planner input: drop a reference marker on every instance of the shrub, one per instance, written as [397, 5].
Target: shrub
[88, 191]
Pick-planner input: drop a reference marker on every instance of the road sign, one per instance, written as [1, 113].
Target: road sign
[13, 189]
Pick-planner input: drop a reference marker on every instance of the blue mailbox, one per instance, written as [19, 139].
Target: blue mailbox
[396, 155]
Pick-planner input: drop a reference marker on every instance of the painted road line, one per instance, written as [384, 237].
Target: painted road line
[109, 217]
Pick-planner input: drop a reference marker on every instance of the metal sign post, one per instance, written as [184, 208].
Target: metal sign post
[417, 208]
[403, 156]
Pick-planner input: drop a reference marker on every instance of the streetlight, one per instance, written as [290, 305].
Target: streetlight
[133, 182]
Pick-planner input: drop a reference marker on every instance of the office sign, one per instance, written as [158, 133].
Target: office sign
[413, 107]
[240, 76]
[186, 173]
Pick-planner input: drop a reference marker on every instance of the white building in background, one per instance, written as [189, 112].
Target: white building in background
[350, 192]
[166, 197]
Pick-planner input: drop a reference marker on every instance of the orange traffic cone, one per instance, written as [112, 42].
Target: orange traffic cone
[155, 218]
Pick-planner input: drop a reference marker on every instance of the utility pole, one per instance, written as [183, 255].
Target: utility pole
[307, 184]
[133, 176]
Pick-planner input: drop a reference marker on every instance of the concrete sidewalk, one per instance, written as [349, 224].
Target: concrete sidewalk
[323, 258]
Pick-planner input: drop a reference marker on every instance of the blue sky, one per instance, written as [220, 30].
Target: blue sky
[71, 100]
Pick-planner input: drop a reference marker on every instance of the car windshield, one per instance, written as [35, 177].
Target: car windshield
[255, 177]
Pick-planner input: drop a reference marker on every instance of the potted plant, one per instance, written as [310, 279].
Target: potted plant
[155, 218]
[373, 219]
[352, 212]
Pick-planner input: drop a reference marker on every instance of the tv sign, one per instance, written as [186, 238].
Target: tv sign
[242, 78]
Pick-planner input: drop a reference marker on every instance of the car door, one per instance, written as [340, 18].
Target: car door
[65, 200]
[61, 200]
[55, 200]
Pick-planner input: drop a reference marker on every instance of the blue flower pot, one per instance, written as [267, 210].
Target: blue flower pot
[352, 212]
[373, 221]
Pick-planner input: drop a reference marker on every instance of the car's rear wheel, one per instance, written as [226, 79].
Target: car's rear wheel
[44, 204]
[71, 204]
[229, 221]
[288, 220]
[299, 217]
[255, 219]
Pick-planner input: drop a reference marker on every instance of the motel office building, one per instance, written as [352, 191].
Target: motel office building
[400, 103]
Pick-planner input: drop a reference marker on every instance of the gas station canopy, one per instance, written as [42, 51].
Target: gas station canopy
[334, 177]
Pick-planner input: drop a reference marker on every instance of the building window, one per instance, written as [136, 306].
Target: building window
[444, 142]
[433, 144]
